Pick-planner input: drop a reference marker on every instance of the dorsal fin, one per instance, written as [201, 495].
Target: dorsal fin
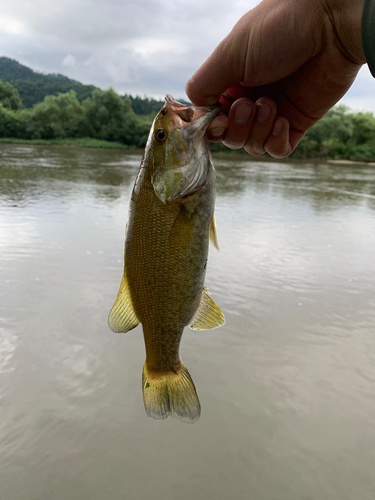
[122, 317]
[208, 315]
[213, 234]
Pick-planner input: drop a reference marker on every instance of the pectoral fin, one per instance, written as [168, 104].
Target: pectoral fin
[208, 315]
[122, 317]
[213, 235]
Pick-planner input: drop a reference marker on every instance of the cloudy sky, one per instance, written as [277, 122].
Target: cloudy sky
[144, 47]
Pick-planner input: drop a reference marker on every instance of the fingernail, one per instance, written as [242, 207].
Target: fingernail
[217, 131]
[242, 113]
[263, 111]
[277, 127]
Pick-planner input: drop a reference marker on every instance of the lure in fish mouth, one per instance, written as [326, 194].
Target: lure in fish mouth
[171, 219]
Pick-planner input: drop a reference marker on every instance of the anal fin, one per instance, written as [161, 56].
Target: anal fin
[122, 317]
[208, 315]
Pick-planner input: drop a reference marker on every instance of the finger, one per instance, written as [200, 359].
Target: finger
[219, 125]
[294, 138]
[217, 129]
[226, 101]
[266, 111]
[241, 117]
[277, 144]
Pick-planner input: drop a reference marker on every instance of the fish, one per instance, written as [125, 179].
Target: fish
[170, 222]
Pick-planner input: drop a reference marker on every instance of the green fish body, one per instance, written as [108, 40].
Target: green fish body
[171, 219]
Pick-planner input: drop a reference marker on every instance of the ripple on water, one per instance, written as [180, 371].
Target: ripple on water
[287, 386]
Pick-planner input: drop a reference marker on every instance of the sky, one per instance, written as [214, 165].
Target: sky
[138, 47]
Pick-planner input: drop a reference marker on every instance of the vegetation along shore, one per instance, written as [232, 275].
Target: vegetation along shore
[53, 109]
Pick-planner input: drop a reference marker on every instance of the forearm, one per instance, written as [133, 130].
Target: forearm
[296, 58]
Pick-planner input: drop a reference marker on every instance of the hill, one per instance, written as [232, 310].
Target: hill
[33, 86]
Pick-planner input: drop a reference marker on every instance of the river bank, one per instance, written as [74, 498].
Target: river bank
[87, 142]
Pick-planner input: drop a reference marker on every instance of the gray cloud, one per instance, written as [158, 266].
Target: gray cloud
[361, 95]
[136, 46]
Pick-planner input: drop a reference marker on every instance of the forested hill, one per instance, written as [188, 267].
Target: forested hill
[33, 87]
[60, 108]
[146, 105]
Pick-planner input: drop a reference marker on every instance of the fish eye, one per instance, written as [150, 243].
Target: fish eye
[161, 135]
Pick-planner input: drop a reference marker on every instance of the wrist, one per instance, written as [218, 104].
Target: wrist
[368, 34]
[346, 19]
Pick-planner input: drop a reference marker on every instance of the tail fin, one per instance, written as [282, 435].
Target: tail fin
[172, 394]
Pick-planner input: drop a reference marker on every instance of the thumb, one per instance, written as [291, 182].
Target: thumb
[267, 44]
[221, 70]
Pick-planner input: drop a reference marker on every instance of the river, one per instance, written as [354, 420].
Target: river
[287, 386]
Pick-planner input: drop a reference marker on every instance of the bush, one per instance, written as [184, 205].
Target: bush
[56, 117]
[14, 123]
[9, 97]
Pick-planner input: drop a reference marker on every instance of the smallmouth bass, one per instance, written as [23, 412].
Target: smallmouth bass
[170, 222]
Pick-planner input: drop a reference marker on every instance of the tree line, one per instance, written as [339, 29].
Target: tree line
[106, 115]
[340, 134]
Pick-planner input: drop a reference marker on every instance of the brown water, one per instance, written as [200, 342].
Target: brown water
[287, 387]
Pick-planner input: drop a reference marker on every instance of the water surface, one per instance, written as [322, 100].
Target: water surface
[287, 387]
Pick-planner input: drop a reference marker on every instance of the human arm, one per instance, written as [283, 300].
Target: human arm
[292, 58]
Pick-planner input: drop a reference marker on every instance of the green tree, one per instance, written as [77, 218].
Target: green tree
[110, 117]
[340, 134]
[9, 96]
[364, 128]
[14, 123]
[57, 117]
[144, 106]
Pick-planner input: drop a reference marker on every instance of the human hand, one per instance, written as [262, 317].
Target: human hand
[282, 67]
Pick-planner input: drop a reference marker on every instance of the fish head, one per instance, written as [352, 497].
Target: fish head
[180, 150]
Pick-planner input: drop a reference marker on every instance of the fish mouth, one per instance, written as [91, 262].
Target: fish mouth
[169, 99]
[199, 117]
[187, 156]
[203, 121]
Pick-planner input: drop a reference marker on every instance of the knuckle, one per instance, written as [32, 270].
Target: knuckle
[253, 151]
[232, 145]
[278, 153]
[255, 148]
